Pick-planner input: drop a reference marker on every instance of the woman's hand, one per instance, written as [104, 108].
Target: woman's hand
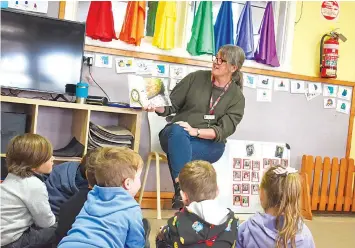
[192, 131]
[152, 108]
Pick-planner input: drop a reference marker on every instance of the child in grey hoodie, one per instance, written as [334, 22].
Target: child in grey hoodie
[281, 225]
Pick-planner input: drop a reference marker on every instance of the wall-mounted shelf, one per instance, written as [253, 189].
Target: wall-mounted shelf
[56, 120]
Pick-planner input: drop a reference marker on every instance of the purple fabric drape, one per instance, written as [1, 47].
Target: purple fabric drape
[245, 34]
[266, 52]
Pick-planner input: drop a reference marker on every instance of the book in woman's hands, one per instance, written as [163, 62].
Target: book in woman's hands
[148, 91]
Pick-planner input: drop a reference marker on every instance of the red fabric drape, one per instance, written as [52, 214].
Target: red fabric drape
[99, 22]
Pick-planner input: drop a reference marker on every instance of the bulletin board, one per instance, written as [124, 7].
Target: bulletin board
[240, 171]
[306, 126]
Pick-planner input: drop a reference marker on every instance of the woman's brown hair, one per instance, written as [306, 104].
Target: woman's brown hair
[27, 152]
[283, 193]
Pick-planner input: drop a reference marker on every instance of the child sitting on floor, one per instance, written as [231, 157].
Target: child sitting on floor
[281, 226]
[203, 222]
[111, 217]
[65, 180]
[26, 216]
[71, 208]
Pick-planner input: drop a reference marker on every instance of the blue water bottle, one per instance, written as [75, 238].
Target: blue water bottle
[82, 92]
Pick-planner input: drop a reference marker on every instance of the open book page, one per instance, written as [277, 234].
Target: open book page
[145, 91]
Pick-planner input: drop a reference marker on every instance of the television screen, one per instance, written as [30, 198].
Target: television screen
[40, 53]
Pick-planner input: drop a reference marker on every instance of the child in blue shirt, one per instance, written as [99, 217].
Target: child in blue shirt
[111, 217]
[281, 225]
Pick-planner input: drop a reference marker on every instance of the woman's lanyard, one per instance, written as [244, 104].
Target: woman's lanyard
[213, 104]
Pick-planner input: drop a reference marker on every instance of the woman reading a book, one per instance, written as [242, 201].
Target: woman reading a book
[208, 106]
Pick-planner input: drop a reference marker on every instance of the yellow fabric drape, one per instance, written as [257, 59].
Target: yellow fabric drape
[164, 32]
[182, 8]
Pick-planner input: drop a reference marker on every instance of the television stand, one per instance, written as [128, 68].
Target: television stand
[60, 96]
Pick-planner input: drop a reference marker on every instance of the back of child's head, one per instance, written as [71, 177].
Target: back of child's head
[113, 165]
[26, 153]
[198, 180]
[86, 171]
[282, 192]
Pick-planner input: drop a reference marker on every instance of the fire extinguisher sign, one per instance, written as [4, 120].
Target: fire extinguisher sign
[330, 9]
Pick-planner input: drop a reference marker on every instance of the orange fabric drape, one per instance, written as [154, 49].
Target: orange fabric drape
[133, 26]
[99, 22]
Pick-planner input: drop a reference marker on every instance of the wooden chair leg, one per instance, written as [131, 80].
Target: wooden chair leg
[145, 179]
[157, 159]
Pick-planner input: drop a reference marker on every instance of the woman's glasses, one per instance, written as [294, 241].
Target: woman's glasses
[218, 60]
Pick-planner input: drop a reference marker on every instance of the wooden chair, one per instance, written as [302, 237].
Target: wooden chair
[156, 124]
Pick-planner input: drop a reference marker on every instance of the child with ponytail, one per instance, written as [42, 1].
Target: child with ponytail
[281, 225]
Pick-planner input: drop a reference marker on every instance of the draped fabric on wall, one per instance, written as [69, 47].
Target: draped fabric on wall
[182, 10]
[266, 52]
[245, 33]
[202, 37]
[133, 26]
[223, 28]
[164, 33]
[99, 22]
[152, 11]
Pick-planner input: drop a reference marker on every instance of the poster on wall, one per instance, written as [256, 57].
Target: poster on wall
[250, 80]
[144, 67]
[248, 161]
[265, 82]
[329, 103]
[103, 61]
[330, 10]
[282, 84]
[125, 65]
[343, 107]
[330, 90]
[298, 87]
[33, 6]
[263, 95]
[315, 88]
[178, 71]
[345, 93]
[160, 70]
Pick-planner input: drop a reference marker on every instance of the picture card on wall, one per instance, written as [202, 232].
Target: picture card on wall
[103, 61]
[298, 87]
[125, 65]
[265, 82]
[345, 93]
[282, 84]
[343, 107]
[178, 71]
[311, 96]
[173, 83]
[315, 88]
[250, 80]
[263, 95]
[330, 90]
[161, 70]
[329, 103]
[144, 67]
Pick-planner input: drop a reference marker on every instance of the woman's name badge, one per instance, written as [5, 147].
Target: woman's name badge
[209, 117]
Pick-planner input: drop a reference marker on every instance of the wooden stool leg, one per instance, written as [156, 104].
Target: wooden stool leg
[144, 179]
[157, 159]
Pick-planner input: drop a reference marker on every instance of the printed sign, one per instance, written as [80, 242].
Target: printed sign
[330, 10]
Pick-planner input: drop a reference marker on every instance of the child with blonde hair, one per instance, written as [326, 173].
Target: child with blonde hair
[26, 216]
[281, 225]
[110, 217]
[202, 222]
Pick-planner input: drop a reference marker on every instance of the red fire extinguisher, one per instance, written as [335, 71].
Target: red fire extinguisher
[329, 54]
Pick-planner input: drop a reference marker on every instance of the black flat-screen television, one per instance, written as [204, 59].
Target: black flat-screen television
[40, 53]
